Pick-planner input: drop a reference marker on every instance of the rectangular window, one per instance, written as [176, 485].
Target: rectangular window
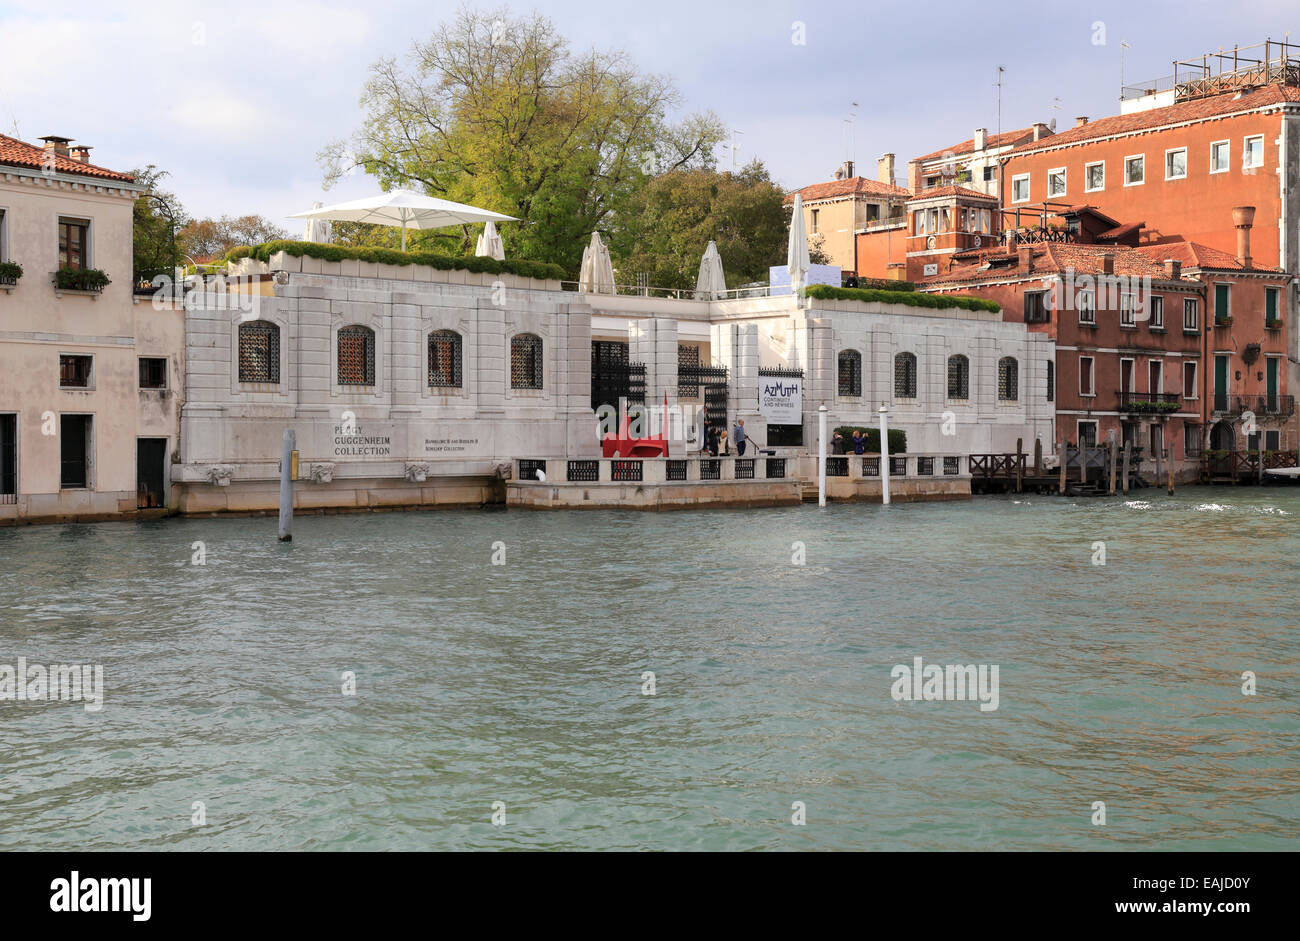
[1056, 182]
[1051, 380]
[74, 451]
[1020, 188]
[1189, 380]
[1087, 308]
[1156, 376]
[153, 372]
[8, 458]
[74, 371]
[1219, 158]
[1087, 434]
[1192, 440]
[1036, 307]
[1270, 305]
[1135, 170]
[1156, 311]
[1222, 303]
[1176, 163]
[1272, 440]
[989, 174]
[1127, 369]
[1094, 177]
[943, 220]
[1085, 376]
[73, 241]
[814, 220]
[1128, 310]
[1252, 154]
[1191, 315]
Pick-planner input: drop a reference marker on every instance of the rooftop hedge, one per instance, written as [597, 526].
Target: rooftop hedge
[387, 256]
[911, 299]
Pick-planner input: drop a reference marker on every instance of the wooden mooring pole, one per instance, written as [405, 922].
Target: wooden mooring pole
[1127, 444]
[286, 485]
[1062, 459]
[1038, 457]
[1020, 464]
[1113, 453]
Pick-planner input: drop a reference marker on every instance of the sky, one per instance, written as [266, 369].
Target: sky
[235, 100]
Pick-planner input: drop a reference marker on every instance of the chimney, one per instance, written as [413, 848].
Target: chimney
[1081, 121]
[1041, 130]
[57, 144]
[981, 138]
[914, 176]
[1107, 263]
[1173, 269]
[1243, 217]
[80, 153]
[885, 169]
[1025, 257]
[839, 174]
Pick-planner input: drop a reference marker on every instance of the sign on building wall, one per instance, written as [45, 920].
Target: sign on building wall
[353, 440]
[780, 400]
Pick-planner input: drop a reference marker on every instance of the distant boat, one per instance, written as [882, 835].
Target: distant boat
[1284, 471]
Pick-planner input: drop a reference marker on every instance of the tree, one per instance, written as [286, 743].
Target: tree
[496, 111]
[212, 238]
[157, 216]
[669, 223]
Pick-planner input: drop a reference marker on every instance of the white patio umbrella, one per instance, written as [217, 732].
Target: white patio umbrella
[404, 208]
[597, 275]
[796, 258]
[318, 230]
[489, 243]
[711, 282]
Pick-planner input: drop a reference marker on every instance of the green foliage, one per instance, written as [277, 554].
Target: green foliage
[158, 217]
[81, 279]
[884, 284]
[387, 256]
[911, 299]
[670, 221]
[1273, 323]
[496, 110]
[10, 271]
[211, 238]
[897, 439]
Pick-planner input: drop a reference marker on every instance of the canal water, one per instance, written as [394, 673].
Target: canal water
[519, 690]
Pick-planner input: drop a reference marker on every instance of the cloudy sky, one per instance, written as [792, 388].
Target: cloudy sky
[236, 99]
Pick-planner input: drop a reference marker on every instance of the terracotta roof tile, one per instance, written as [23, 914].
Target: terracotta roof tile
[853, 186]
[16, 153]
[1051, 258]
[1005, 139]
[1196, 255]
[1196, 110]
[951, 191]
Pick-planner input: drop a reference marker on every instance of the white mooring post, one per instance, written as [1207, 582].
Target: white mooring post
[286, 485]
[821, 455]
[884, 454]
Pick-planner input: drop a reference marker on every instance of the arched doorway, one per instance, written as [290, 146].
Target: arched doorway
[1222, 437]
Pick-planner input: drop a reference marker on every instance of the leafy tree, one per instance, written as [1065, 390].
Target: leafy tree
[497, 111]
[212, 238]
[669, 223]
[158, 216]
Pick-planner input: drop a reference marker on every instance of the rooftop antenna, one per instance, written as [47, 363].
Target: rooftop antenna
[734, 146]
[1123, 52]
[853, 134]
[1056, 106]
[1001, 69]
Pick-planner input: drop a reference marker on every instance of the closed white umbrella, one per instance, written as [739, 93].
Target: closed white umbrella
[407, 209]
[597, 275]
[712, 282]
[796, 258]
[318, 230]
[489, 243]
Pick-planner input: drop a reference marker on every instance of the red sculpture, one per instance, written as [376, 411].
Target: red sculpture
[624, 445]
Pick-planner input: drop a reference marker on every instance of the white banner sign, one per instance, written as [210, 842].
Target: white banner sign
[780, 400]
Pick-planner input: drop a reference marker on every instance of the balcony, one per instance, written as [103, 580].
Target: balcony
[1149, 403]
[1280, 405]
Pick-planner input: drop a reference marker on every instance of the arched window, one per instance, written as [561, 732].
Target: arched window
[356, 356]
[525, 361]
[259, 351]
[905, 376]
[444, 359]
[850, 372]
[958, 377]
[1008, 379]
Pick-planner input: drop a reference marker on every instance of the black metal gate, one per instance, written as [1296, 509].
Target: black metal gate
[714, 381]
[783, 435]
[613, 377]
[150, 472]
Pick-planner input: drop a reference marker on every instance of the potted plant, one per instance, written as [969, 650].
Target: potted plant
[10, 272]
[80, 279]
[1273, 323]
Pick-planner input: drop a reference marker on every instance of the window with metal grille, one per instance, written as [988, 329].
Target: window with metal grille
[905, 376]
[710, 470]
[584, 470]
[74, 371]
[1051, 381]
[850, 372]
[688, 361]
[525, 361]
[356, 356]
[259, 352]
[625, 470]
[444, 359]
[898, 466]
[871, 467]
[153, 372]
[775, 468]
[528, 468]
[951, 465]
[837, 467]
[925, 466]
[745, 469]
[1008, 379]
[958, 377]
[676, 470]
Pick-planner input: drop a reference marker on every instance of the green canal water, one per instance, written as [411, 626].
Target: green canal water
[522, 683]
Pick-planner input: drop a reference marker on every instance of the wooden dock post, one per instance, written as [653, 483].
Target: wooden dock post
[1038, 457]
[1170, 471]
[1127, 445]
[1113, 453]
[1062, 459]
[286, 485]
[1020, 464]
[1159, 474]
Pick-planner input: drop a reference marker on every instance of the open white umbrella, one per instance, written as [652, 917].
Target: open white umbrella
[796, 258]
[712, 282]
[404, 208]
[318, 230]
[597, 275]
[489, 243]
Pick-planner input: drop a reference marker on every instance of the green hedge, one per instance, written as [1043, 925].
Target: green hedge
[884, 284]
[387, 256]
[897, 439]
[911, 299]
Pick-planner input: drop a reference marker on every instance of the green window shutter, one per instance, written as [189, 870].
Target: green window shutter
[1220, 301]
[1270, 303]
